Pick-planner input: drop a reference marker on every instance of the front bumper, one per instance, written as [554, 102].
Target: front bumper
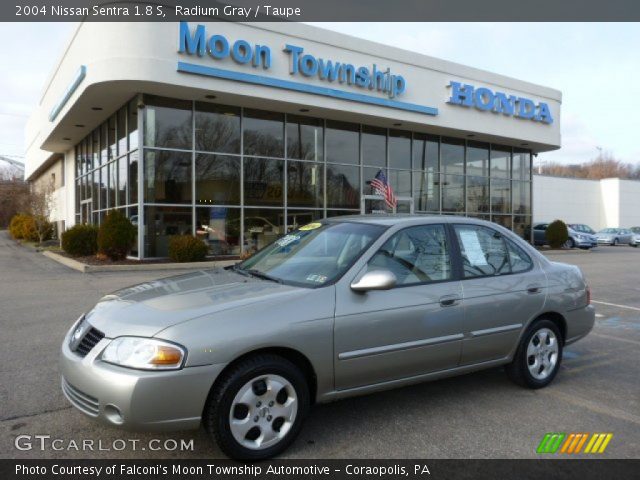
[135, 399]
[585, 243]
[605, 241]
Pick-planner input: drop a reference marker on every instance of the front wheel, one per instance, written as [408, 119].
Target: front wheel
[257, 409]
[570, 243]
[615, 242]
[538, 356]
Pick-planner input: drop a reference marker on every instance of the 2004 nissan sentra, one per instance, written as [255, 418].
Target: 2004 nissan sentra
[340, 307]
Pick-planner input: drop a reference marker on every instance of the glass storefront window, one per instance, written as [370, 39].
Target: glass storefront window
[111, 137]
[368, 174]
[123, 169]
[104, 187]
[305, 184]
[167, 123]
[452, 156]
[104, 143]
[521, 165]
[263, 181]
[399, 149]
[167, 176]
[305, 140]
[500, 161]
[425, 152]
[296, 218]
[219, 228]
[500, 195]
[94, 161]
[160, 224]
[478, 159]
[477, 194]
[132, 123]
[95, 190]
[122, 131]
[426, 191]
[217, 179]
[343, 186]
[521, 197]
[374, 146]
[522, 226]
[133, 177]
[261, 227]
[132, 214]
[505, 220]
[263, 133]
[113, 184]
[217, 128]
[452, 193]
[400, 181]
[343, 142]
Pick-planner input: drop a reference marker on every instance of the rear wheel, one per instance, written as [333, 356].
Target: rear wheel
[570, 243]
[538, 357]
[257, 409]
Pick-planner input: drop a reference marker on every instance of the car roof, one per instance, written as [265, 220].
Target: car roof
[406, 219]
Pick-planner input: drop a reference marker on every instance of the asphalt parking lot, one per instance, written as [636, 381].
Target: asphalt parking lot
[481, 415]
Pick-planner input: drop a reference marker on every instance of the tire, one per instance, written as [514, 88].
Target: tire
[570, 243]
[259, 373]
[615, 242]
[519, 370]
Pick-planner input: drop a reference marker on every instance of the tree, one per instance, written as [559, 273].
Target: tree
[40, 206]
[13, 199]
[605, 165]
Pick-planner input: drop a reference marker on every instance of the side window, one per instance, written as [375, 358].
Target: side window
[415, 255]
[483, 251]
[520, 261]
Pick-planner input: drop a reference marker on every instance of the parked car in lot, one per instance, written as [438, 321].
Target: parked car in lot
[614, 236]
[635, 239]
[339, 307]
[577, 237]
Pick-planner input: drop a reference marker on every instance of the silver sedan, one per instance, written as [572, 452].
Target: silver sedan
[340, 307]
[614, 236]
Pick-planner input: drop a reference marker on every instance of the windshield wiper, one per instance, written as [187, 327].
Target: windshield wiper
[256, 273]
[262, 275]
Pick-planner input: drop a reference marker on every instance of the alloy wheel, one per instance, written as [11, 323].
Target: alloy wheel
[263, 411]
[542, 353]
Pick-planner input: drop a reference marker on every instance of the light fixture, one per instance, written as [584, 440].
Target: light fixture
[66, 138]
[397, 124]
[524, 144]
[471, 135]
[304, 110]
[79, 125]
[97, 109]
[210, 97]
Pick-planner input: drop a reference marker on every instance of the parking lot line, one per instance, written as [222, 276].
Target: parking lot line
[616, 305]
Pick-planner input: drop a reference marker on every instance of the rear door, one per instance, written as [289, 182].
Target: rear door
[503, 288]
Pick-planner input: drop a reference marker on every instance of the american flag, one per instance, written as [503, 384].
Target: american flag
[381, 186]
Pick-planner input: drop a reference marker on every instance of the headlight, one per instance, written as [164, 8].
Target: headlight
[144, 353]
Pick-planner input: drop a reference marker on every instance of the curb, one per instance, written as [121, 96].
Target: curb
[85, 268]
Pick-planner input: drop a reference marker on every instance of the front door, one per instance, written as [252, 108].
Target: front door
[412, 329]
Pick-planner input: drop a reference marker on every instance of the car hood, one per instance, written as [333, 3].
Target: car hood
[148, 308]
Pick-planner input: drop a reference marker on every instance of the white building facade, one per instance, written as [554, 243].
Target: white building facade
[607, 203]
[239, 132]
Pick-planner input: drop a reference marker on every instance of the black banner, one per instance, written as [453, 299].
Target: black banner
[319, 10]
[584, 469]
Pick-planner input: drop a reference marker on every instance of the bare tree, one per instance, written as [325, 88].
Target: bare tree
[13, 199]
[605, 165]
[40, 205]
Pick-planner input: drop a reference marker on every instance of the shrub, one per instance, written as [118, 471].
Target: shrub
[186, 248]
[80, 240]
[25, 227]
[557, 234]
[116, 235]
[16, 226]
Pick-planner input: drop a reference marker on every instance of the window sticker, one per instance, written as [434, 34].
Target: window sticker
[287, 239]
[316, 278]
[472, 248]
[310, 226]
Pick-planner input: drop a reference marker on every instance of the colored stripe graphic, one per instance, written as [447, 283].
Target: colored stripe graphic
[572, 443]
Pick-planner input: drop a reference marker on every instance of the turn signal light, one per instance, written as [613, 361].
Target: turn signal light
[166, 356]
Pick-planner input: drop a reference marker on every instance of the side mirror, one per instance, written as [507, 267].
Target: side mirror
[375, 280]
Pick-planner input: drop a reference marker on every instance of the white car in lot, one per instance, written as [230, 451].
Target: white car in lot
[635, 239]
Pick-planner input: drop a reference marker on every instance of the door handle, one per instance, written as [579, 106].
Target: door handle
[534, 288]
[449, 300]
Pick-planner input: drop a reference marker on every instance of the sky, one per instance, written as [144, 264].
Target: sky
[596, 66]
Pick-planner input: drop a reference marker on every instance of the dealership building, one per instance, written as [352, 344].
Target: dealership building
[240, 132]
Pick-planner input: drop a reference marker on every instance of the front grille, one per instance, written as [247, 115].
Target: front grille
[82, 401]
[90, 340]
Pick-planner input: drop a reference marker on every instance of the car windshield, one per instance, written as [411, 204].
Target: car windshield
[314, 255]
[608, 230]
[635, 229]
